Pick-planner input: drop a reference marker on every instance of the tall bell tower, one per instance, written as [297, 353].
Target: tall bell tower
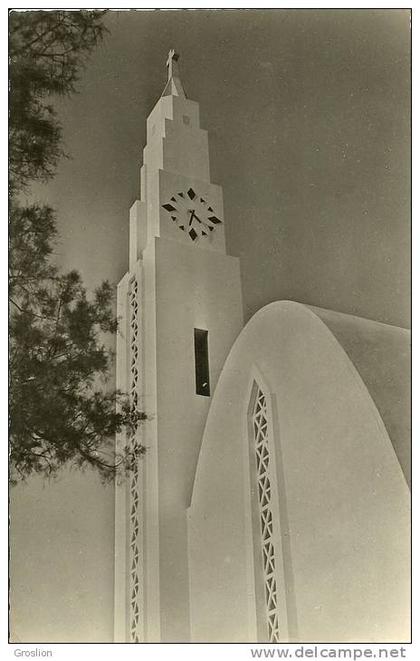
[180, 311]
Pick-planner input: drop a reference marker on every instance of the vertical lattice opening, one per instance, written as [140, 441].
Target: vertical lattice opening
[134, 549]
[261, 448]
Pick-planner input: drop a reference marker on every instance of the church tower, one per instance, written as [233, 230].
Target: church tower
[180, 311]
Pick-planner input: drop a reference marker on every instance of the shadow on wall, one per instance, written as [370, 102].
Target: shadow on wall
[382, 356]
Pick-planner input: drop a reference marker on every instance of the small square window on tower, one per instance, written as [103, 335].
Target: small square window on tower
[186, 119]
[202, 377]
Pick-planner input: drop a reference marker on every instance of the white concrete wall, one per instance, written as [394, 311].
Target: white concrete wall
[344, 503]
[190, 291]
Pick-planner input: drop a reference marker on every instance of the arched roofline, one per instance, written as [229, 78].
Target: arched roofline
[275, 309]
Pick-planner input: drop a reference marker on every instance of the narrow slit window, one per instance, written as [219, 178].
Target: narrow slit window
[202, 377]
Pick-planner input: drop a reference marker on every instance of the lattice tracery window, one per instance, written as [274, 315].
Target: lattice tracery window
[135, 512]
[261, 440]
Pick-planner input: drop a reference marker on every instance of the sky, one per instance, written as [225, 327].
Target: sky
[309, 131]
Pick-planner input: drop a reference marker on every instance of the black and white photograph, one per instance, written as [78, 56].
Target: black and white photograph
[209, 328]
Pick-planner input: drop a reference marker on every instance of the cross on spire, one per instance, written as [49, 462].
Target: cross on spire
[174, 86]
[171, 63]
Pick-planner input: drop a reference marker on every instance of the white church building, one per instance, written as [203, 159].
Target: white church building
[272, 503]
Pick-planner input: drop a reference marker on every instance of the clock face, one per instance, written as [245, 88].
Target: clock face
[192, 214]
